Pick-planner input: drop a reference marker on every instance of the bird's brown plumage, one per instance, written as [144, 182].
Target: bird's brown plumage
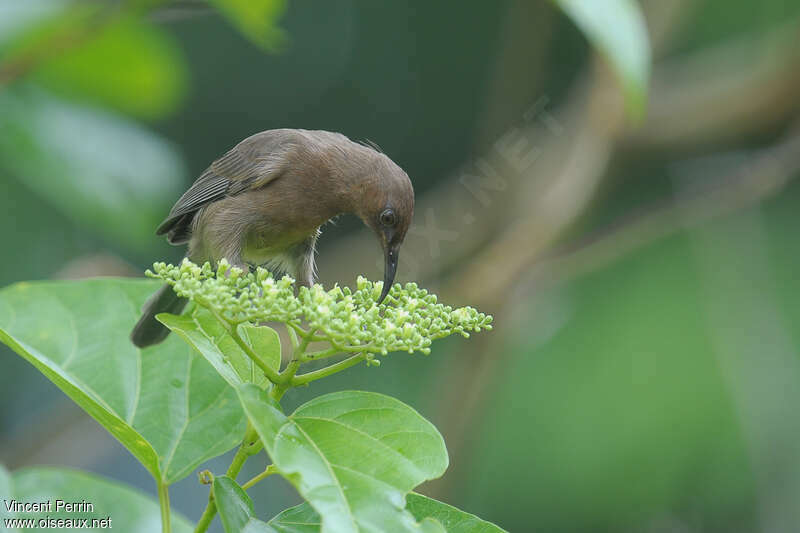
[263, 202]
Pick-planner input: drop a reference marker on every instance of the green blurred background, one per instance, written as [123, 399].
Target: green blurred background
[613, 180]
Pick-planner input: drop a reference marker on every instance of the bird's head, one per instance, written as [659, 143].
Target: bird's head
[387, 206]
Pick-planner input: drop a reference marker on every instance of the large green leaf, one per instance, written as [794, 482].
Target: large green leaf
[86, 52]
[104, 171]
[146, 77]
[236, 508]
[617, 28]
[206, 334]
[353, 455]
[128, 509]
[304, 519]
[166, 404]
[256, 19]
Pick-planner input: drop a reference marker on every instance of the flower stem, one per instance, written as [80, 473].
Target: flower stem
[163, 502]
[250, 446]
[287, 375]
[322, 354]
[207, 516]
[308, 377]
[271, 469]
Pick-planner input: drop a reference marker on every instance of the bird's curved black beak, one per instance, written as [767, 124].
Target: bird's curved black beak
[390, 269]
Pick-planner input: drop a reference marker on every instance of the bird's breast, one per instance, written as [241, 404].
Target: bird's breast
[271, 245]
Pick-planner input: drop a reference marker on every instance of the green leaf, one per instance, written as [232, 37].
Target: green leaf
[617, 28]
[256, 19]
[165, 404]
[304, 519]
[454, 520]
[129, 510]
[87, 52]
[353, 455]
[147, 77]
[236, 508]
[204, 332]
[102, 170]
[298, 519]
[431, 525]
[265, 342]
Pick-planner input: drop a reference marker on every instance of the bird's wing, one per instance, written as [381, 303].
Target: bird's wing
[251, 164]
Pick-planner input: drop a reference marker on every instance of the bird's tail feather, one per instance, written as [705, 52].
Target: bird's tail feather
[148, 330]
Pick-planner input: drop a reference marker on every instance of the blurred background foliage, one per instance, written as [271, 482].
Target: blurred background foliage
[613, 180]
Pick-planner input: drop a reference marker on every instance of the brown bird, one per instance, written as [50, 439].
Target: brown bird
[264, 201]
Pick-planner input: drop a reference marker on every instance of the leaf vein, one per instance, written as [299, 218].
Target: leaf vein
[138, 391]
[185, 421]
[329, 466]
[367, 435]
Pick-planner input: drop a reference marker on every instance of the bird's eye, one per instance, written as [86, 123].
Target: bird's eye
[388, 218]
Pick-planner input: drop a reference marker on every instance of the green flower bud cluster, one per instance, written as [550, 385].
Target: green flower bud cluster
[408, 320]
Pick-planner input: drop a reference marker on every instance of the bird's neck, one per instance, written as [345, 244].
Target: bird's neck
[349, 178]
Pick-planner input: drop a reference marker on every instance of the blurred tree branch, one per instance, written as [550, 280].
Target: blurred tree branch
[713, 186]
[574, 165]
[663, 18]
[509, 265]
[723, 93]
[574, 162]
[687, 107]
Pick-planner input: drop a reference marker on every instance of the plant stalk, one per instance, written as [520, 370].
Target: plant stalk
[163, 502]
[271, 469]
[250, 446]
[308, 377]
[207, 516]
